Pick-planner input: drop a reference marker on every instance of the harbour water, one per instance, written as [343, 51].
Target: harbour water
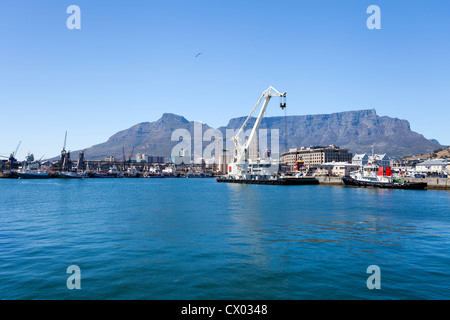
[199, 239]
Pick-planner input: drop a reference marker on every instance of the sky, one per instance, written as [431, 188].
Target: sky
[132, 61]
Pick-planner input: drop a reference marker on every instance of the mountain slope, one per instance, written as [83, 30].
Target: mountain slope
[356, 130]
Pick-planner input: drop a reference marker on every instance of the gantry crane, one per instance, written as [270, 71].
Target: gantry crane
[239, 167]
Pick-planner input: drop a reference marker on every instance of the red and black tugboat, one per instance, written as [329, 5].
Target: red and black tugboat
[374, 176]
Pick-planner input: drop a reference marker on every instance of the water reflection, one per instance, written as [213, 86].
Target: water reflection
[362, 228]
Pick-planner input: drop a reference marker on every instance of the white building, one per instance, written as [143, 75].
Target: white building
[360, 159]
[141, 158]
[335, 168]
[439, 166]
[380, 159]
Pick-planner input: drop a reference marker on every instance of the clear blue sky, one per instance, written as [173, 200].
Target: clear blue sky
[134, 60]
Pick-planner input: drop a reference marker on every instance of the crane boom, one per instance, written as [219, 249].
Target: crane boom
[15, 152]
[131, 154]
[240, 164]
[65, 140]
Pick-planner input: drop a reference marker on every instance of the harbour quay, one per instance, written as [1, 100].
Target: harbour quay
[432, 183]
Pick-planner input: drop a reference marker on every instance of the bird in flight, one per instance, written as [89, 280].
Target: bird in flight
[198, 53]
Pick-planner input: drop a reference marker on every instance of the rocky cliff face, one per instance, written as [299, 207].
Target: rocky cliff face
[355, 130]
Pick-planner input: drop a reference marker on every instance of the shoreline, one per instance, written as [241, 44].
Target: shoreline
[432, 183]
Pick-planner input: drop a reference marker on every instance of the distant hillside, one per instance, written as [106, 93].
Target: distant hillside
[436, 154]
[150, 138]
[355, 130]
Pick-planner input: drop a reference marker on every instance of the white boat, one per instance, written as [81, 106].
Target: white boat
[73, 175]
[132, 173]
[372, 173]
[153, 176]
[112, 173]
[115, 172]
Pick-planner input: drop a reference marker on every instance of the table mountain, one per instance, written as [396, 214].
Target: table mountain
[355, 130]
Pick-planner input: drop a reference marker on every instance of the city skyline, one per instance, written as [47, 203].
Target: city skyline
[210, 61]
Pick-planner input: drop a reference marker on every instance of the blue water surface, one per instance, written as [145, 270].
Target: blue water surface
[191, 239]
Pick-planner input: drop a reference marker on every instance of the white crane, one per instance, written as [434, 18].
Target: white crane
[239, 167]
[14, 154]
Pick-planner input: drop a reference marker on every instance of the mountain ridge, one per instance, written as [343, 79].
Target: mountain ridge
[356, 130]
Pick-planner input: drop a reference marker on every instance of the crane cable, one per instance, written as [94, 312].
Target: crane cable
[285, 130]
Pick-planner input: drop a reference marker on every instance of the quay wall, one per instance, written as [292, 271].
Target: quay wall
[330, 180]
[432, 183]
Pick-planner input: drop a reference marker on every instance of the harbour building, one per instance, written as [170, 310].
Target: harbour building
[438, 166]
[360, 159]
[363, 159]
[340, 169]
[315, 155]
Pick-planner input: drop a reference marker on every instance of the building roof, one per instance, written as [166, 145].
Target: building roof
[379, 157]
[359, 156]
[327, 164]
[436, 162]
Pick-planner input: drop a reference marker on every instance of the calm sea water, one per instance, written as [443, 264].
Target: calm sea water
[199, 239]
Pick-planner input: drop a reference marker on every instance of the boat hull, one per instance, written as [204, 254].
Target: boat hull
[72, 176]
[348, 181]
[104, 175]
[29, 175]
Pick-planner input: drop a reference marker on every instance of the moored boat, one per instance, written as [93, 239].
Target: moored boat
[103, 175]
[32, 174]
[112, 173]
[374, 176]
[73, 175]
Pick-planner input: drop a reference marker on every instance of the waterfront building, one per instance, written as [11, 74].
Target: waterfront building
[439, 166]
[360, 159]
[335, 168]
[224, 159]
[363, 159]
[141, 158]
[380, 159]
[315, 155]
[147, 158]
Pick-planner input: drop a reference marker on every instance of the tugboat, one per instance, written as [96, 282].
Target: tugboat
[375, 176]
